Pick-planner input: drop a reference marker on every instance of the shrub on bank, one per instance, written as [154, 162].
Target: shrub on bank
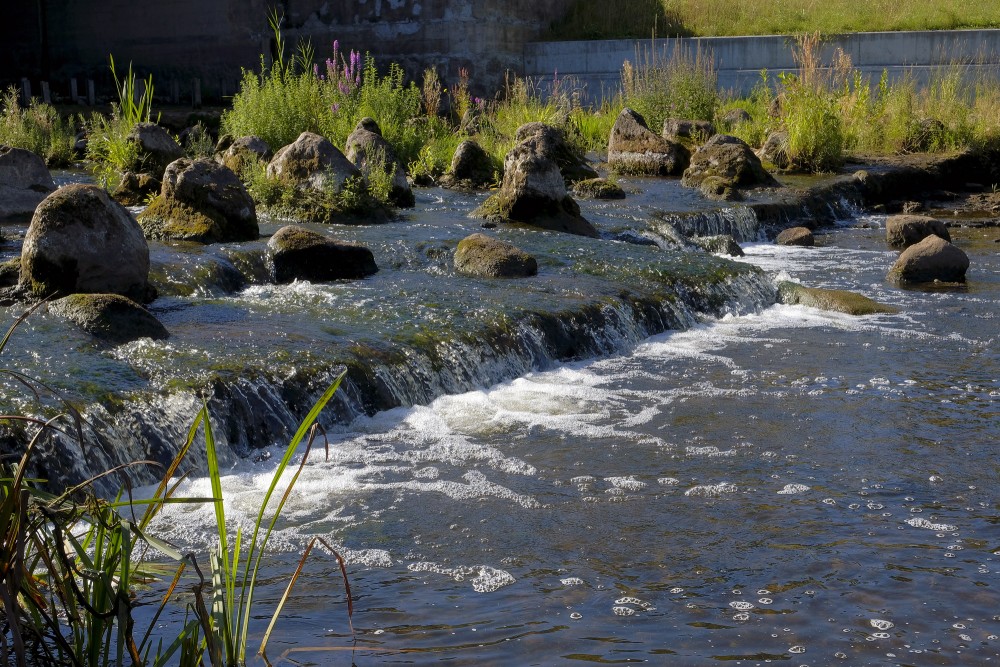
[38, 128]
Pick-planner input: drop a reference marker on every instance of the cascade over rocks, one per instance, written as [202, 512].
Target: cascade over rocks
[24, 182]
[932, 259]
[242, 151]
[534, 192]
[312, 162]
[730, 162]
[799, 236]
[551, 142]
[297, 253]
[368, 150]
[201, 201]
[635, 149]
[488, 257]
[81, 240]
[902, 231]
[157, 148]
[471, 168]
[110, 317]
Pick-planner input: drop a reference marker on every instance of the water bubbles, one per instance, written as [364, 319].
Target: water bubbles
[571, 581]
[965, 638]
[935, 478]
[740, 605]
[629, 483]
[880, 635]
[917, 522]
[797, 649]
[668, 481]
[676, 590]
[623, 611]
[763, 591]
[628, 600]
[829, 501]
[881, 624]
[742, 616]
[576, 616]
[791, 489]
[958, 626]
[711, 490]
[765, 601]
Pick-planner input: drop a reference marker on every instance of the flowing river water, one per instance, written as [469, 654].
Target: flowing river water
[763, 484]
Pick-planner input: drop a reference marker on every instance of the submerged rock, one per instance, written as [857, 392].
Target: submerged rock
[312, 162]
[488, 257]
[110, 317]
[800, 236]
[296, 253]
[369, 151]
[156, 147]
[81, 240]
[635, 149]
[841, 301]
[723, 244]
[201, 201]
[533, 192]
[24, 182]
[471, 168]
[902, 231]
[930, 260]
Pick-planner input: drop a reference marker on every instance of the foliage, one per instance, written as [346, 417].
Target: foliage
[326, 205]
[38, 128]
[431, 92]
[108, 147]
[522, 103]
[619, 19]
[679, 85]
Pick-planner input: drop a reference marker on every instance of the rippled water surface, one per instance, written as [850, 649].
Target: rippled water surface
[792, 486]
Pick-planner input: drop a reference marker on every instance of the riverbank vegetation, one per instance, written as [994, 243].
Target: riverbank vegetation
[620, 19]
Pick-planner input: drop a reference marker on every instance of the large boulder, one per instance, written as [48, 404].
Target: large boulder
[798, 236]
[841, 301]
[312, 162]
[136, 189]
[722, 244]
[24, 182]
[296, 253]
[156, 147]
[110, 317]
[635, 149]
[471, 168]
[933, 259]
[484, 256]
[369, 151]
[533, 192]
[81, 240]
[690, 130]
[902, 231]
[730, 161]
[201, 201]
[551, 142]
[243, 151]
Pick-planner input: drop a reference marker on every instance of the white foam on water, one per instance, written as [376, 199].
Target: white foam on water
[484, 578]
[629, 483]
[791, 489]
[917, 522]
[711, 490]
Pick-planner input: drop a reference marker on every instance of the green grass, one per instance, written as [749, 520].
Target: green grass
[38, 128]
[671, 18]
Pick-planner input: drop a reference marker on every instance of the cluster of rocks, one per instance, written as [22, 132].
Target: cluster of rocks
[927, 252]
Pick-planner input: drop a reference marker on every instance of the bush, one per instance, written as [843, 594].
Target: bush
[683, 85]
[38, 128]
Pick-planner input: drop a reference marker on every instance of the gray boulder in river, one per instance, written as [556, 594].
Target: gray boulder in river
[156, 147]
[635, 149]
[369, 151]
[471, 168]
[488, 257]
[110, 317]
[729, 159]
[902, 231]
[297, 253]
[933, 259]
[312, 162]
[551, 141]
[81, 240]
[201, 201]
[24, 182]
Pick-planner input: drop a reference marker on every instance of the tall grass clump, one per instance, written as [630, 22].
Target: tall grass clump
[38, 128]
[109, 149]
[681, 85]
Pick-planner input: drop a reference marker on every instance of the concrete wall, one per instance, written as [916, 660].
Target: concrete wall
[596, 65]
[55, 40]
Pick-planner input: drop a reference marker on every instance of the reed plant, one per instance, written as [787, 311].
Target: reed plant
[38, 128]
[679, 84]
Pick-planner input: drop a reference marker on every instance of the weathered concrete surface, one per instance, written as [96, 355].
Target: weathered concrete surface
[597, 65]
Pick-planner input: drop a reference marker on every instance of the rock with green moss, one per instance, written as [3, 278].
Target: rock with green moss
[551, 141]
[110, 317]
[695, 131]
[723, 244]
[156, 147]
[10, 271]
[841, 301]
[533, 192]
[243, 151]
[931, 260]
[728, 159]
[201, 201]
[902, 231]
[312, 162]
[598, 188]
[484, 256]
[718, 188]
[775, 150]
[136, 189]
[635, 149]
[471, 168]
[370, 153]
[297, 253]
[80, 240]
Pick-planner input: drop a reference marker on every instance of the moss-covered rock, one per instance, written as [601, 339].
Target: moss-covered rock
[471, 168]
[598, 188]
[297, 253]
[238, 153]
[110, 317]
[135, 189]
[635, 149]
[723, 244]
[488, 257]
[728, 159]
[10, 271]
[551, 141]
[369, 152]
[841, 301]
[24, 182]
